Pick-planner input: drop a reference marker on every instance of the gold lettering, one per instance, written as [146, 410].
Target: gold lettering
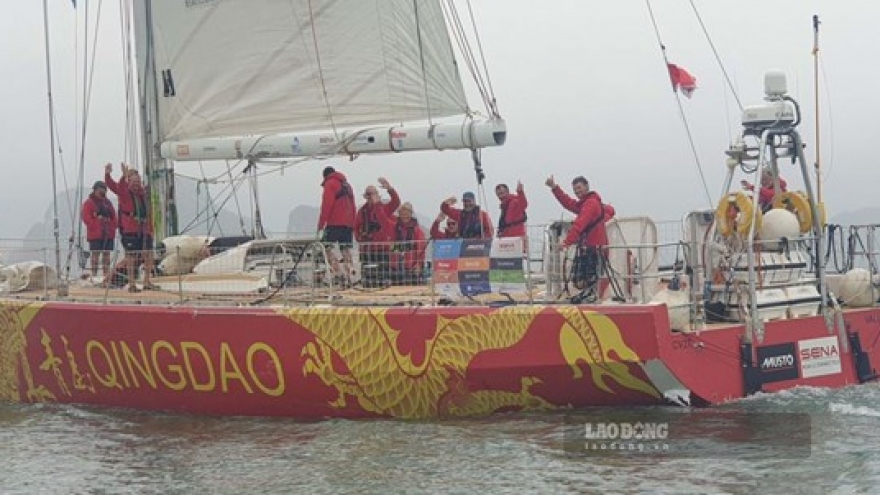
[119, 364]
[227, 373]
[142, 365]
[185, 347]
[109, 380]
[279, 372]
[172, 368]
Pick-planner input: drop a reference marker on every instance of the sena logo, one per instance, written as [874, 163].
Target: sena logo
[818, 352]
[777, 362]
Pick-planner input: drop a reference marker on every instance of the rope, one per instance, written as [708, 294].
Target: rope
[681, 113]
[492, 102]
[460, 36]
[717, 57]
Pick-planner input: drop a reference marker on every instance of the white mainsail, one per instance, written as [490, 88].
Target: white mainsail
[245, 78]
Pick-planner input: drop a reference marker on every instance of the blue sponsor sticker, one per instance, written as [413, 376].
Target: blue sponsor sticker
[447, 249]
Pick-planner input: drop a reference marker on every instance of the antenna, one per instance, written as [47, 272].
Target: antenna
[818, 163]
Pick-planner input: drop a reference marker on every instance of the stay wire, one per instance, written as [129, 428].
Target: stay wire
[681, 112]
[717, 56]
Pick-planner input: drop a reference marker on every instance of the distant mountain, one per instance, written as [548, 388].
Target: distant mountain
[863, 216]
[224, 223]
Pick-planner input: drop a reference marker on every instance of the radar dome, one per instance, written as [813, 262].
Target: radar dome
[779, 223]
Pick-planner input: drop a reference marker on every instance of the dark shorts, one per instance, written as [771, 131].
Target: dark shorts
[136, 242]
[101, 245]
[338, 233]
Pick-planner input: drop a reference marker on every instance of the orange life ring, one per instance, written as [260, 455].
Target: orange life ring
[736, 213]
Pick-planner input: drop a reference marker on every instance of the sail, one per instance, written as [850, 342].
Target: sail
[240, 67]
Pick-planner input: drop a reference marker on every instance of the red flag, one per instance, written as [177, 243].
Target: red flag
[682, 79]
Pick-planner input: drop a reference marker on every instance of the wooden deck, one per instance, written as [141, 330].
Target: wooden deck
[172, 293]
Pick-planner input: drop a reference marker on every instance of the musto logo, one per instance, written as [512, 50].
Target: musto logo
[819, 357]
[778, 362]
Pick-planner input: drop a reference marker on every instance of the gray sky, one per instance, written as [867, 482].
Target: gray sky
[581, 84]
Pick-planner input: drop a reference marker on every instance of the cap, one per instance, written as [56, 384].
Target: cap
[328, 171]
[468, 195]
[99, 184]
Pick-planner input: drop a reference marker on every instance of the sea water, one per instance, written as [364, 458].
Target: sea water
[68, 449]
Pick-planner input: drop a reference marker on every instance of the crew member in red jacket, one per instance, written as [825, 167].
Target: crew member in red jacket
[135, 223]
[767, 191]
[100, 218]
[409, 245]
[336, 221]
[449, 232]
[512, 222]
[587, 233]
[473, 223]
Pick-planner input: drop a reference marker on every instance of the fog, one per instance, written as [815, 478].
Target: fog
[582, 85]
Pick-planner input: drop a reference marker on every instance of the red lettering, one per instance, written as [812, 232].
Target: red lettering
[818, 352]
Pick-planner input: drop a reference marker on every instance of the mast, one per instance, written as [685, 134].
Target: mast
[157, 169]
[816, 96]
[62, 286]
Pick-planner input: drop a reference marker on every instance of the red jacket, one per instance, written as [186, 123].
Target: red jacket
[468, 224]
[135, 216]
[375, 221]
[512, 222]
[766, 194]
[100, 218]
[337, 202]
[590, 214]
[436, 233]
[409, 244]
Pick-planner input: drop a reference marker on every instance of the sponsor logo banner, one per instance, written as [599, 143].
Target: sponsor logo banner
[819, 357]
[479, 266]
[778, 362]
[447, 249]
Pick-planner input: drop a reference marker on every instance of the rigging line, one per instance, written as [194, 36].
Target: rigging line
[321, 71]
[213, 180]
[681, 113]
[656, 29]
[87, 97]
[717, 56]
[209, 204]
[210, 221]
[450, 14]
[494, 103]
[55, 228]
[227, 187]
[234, 194]
[467, 54]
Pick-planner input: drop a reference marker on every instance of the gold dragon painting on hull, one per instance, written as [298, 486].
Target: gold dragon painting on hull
[14, 362]
[384, 381]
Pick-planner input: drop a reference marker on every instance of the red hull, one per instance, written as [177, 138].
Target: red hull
[402, 362]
